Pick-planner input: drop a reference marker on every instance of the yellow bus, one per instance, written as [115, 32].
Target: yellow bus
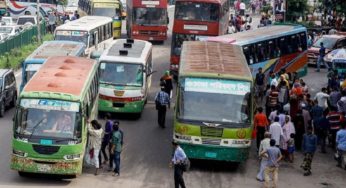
[108, 8]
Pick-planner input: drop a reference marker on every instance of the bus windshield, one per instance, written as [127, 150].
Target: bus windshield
[48, 118]
[223, 102]
[106, 11]
[178, 40]
[78, 36]
[121, 74]
[196, 11]
[150, 16]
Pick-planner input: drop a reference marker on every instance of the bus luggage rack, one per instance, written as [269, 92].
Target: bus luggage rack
[211, 131]
[211, 141]
[46, 150]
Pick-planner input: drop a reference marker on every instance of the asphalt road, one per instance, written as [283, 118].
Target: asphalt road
[147, 152]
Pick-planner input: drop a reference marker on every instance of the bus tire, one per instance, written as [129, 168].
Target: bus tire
[2, 109]
[74, 176]
[22, 174]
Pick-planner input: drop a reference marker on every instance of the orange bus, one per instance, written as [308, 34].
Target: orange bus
[147, 19]
[196, 19]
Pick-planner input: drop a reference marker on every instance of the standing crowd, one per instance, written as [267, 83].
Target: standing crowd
[289, 119]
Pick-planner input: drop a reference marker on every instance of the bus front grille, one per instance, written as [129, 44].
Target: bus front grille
[46, 150]
[211, 141]
[146, 32]
[211, 131]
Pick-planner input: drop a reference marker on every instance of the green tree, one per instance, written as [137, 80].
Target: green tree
[296, 9]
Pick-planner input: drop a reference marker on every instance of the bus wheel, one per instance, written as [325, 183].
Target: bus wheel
[138, 115]
[70, 176]
[22, 174]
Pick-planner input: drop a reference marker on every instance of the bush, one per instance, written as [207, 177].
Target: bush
[16, 56]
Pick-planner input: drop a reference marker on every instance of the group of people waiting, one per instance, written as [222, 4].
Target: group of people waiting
[99, 140]
[293, 121]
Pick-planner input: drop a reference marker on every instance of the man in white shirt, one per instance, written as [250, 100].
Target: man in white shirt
[178, 159]
[242, 8]
[276, 131]
[322, 98]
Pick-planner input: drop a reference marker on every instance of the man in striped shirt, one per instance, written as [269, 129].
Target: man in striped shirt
[335, 119]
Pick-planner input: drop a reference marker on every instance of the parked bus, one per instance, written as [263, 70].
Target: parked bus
[196, 19]
[274, 48]
[147, 20]
[214, 113]
[125, 76]
[108, 8]
[93, 31]
[49, 48]
[50, 133]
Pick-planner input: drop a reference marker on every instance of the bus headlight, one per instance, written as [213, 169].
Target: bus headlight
[19, 153]
[135, 32]
[72, 157]
[174, 66]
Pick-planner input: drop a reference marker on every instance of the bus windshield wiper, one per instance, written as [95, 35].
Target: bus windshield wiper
[108, 83]
[34, 128]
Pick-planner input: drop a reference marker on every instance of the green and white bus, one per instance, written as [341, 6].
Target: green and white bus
[125, 76]
[50, 131]
[214, 112]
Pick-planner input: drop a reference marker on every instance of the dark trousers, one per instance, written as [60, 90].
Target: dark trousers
[178, 176]
[260, 135]
[299, 138]
[104, 153]
[332, 138]
[117, 162]
[161, 116]
[322, 136]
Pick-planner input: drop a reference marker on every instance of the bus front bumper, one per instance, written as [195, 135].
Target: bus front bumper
[150, 38]
[217, 153]
[24, 164]
[121, 107]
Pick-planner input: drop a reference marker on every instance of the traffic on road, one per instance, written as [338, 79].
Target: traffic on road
[190, 93]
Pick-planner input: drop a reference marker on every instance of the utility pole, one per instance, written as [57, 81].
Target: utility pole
[38, 22]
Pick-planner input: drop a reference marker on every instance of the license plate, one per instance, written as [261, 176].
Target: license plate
[46, 142]
[151, 38]
[43, 167]
[210, 154]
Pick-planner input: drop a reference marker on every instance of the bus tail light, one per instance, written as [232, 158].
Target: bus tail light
[72, 157]
[19, 153]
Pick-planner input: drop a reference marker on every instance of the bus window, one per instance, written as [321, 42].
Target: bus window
[294, 44]
[272, 49]
[303, 40]
[92, 39]
[261, 52]
[249, 54]
[283, 46]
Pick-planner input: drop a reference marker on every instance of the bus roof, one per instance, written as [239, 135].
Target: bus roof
[137, 51]
[263, 33]
[213, 58]
[85, 23]
[62, 74]
[57, 48]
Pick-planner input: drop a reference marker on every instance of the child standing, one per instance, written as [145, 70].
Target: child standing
[291, 148]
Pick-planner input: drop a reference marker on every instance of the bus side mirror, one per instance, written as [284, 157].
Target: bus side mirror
[150, 73]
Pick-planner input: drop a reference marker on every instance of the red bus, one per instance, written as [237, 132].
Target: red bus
[147, 19]
[195, 20]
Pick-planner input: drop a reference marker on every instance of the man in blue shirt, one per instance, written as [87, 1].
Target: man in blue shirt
[320, 60]
[309, 148]
[106, 142]
[178, 159]
[341, 143]
[162, 100]
[271, 171]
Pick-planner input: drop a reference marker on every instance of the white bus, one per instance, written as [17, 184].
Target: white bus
[94, 31]
[125, 76]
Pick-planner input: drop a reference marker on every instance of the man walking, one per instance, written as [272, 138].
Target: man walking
[117, 145]
[341, 143]
[178, 159]
[309, 148]
[275, 130]
[106, 142]
[320, 60]
[260, 123]
[272, 169]
[162, 100]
